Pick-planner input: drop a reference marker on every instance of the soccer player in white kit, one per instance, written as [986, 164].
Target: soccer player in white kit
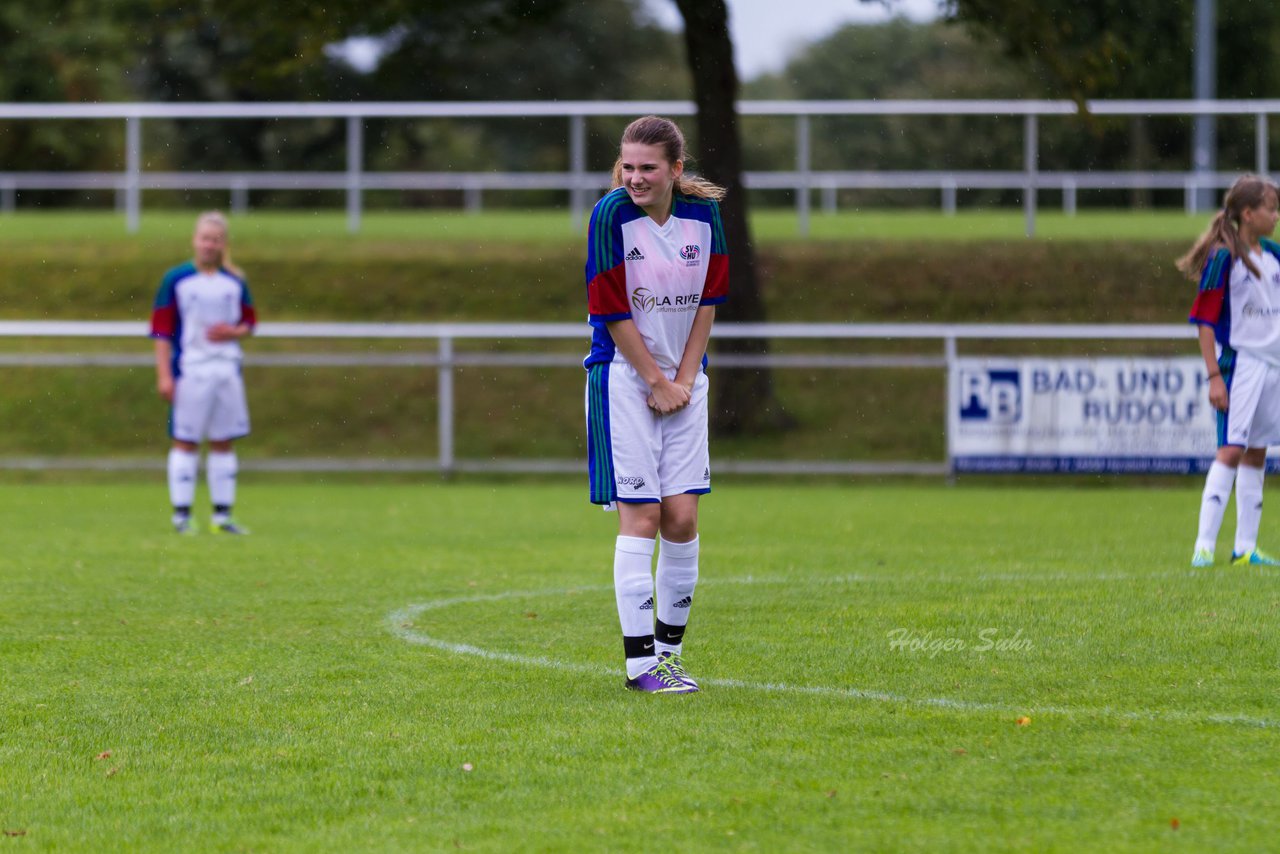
[1238, 309]
[201, 312]
[656, 268]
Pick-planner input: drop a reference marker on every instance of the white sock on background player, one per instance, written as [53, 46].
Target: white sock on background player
[1213, 503]
[221, 471]
[183, 466]
[1248, 508]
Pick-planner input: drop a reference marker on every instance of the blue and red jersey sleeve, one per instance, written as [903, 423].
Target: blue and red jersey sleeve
[164, 312]
[248, 314]
[1210, 307]
[606, 270]
[716, 288]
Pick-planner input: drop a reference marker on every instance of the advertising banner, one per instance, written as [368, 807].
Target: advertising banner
[1139, 415]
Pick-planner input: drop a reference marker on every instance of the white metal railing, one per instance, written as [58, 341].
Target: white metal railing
[446, 360]
[580, 183]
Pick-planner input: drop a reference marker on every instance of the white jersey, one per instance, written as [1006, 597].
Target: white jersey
[655, 275]
[188, 304]
[1255, 307]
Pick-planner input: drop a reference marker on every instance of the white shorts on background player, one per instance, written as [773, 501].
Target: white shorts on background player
[656, 456]
[1253, 403]
[209, 403]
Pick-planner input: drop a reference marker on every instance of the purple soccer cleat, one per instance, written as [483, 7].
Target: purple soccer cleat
[675, 666]
[659, 679]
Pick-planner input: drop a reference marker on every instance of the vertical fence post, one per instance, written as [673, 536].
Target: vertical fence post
[8, 195]
[445, 403]
[949, 196]
[829, 199]
[1069, 196]
[239, 196]
[577, 169]
[949, 353]
[472, 200]
[355, 162]
[1191, 188]
[802, 168]
[1262, 141]
[133, 173]
[1030, 145]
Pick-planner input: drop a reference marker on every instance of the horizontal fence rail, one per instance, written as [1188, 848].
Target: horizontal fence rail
[355, 180]
[446, 361]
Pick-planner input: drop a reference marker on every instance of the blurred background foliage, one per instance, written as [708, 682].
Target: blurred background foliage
[480, 50]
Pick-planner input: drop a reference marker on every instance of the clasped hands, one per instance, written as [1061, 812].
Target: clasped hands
[668, 396]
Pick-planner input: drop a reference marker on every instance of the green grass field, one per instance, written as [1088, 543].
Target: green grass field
[552, 226]
[430, 667]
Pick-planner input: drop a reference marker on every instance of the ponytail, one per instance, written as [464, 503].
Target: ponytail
[1223, 232]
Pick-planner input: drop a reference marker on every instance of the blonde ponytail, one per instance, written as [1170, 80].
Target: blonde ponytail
[1223, 232]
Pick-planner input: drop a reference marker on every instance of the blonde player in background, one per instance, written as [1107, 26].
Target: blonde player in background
[656, 268]
[201, 312]
[1238, 309]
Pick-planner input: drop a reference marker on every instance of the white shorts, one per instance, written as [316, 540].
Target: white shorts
[209, 404]
[1252, 419]
[635, 455]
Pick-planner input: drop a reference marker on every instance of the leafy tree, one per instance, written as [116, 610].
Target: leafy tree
[59, 53]
[898, 59]
[1085, 49]
[1126, 48]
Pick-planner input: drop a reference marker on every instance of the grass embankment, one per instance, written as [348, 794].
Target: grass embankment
[969, 268]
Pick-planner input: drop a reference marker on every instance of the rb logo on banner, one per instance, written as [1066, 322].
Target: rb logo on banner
[990, 395]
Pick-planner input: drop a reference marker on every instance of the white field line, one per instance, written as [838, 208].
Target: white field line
[401, 624]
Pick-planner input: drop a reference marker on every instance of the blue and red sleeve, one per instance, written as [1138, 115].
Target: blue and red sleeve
[1207, 308]
[606, 270]
[715, 289]
[248, 314]
[164, 313]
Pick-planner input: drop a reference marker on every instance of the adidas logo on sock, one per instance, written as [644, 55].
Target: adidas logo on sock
[635, 254]
[684, 603]
[648, 604]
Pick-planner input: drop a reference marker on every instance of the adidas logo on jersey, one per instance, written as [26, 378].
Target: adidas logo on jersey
[684, 603]
[648, 604]
[635, 254]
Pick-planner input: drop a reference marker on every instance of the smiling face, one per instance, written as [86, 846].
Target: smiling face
[649, 177]
[210, 244]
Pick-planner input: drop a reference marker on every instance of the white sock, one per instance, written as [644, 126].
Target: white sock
[633, 588]
[1248, 508]
[677, 576]
[221, 470]
[182, 477]
[1213, 503]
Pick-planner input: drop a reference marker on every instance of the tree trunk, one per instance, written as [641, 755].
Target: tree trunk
[745, 400]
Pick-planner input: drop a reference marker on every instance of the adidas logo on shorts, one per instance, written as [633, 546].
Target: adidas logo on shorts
[635, 254]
